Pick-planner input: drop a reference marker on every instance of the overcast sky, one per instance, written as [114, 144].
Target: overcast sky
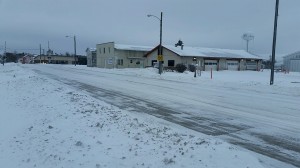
[24, 24]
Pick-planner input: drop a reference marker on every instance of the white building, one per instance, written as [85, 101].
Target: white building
[207, 58]
[291, 62]
[111, 55]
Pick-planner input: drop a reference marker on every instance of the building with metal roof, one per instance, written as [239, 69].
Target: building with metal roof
[206, 58]
[291, 62]
[112, 55]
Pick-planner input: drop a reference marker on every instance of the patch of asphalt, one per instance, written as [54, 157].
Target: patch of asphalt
[283, 142]
[201, 124]
[269, 149]
[267, 145]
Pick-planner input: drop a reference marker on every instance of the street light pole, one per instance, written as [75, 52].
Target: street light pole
[274, 43]
[160, 53]
[160, 45]
[75, 50]
[74, 38]
[40, 53]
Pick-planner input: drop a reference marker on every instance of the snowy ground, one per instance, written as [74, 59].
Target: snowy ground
[45, 123]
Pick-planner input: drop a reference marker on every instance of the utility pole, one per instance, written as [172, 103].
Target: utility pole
[48, 52]
[74, 38]
[40, 53]
[44, 55]
[4, 55]
[274, 43]
[75, 49]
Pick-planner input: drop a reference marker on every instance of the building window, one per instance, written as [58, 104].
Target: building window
[108, 49]
[153, 62]
[103, 50]
[171, 63]
[120, 61]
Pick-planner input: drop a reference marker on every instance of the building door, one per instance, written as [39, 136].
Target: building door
[233, 65]
[211, 64]
[251, 65]
[94, 61]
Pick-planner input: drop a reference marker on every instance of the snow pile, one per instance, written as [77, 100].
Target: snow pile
[47, 124]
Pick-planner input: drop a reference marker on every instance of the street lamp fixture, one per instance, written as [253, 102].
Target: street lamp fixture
[160, 54]
[74, 38]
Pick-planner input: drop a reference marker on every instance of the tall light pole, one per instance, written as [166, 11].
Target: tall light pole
[274, 43]
[74, 38]
[248, 37]
[160, 53]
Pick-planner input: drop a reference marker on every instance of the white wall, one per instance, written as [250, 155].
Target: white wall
[105, 55]
[167, 55]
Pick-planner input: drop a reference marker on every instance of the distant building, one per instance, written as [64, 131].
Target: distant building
[59, 59]
[27, 59]
[111, 55]
[291, 62]
[207, 58]
[91, 56]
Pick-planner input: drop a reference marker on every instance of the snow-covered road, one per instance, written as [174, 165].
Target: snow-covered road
[237, 106]
[46, 123]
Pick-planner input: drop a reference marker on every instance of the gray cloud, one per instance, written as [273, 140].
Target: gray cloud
[205, 23]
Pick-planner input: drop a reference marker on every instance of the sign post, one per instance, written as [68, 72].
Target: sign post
[195, 60]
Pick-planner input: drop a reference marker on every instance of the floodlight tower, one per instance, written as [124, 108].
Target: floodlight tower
[248, 37]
